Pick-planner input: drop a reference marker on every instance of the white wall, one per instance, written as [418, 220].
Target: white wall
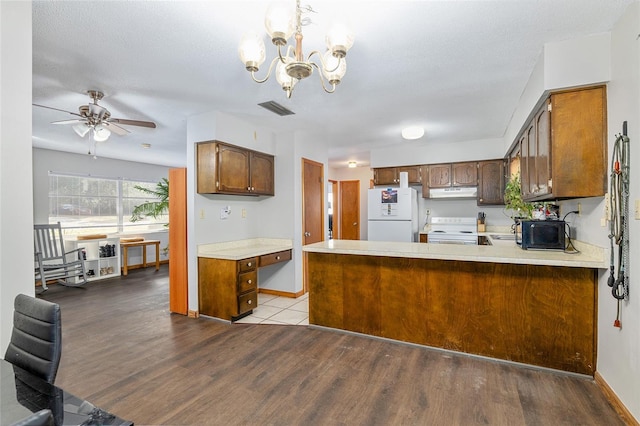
[45, 160]
[426, 152]
[265, 217]
[16, 221]
[619, 349]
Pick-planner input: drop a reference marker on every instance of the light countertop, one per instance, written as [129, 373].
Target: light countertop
[500, 252]
[243, 249]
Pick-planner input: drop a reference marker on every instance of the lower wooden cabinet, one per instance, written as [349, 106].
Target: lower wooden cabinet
[228, 289]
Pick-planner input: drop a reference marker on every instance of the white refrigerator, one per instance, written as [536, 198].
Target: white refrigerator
[393, 214]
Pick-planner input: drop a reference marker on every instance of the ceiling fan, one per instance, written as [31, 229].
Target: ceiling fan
[98, 120]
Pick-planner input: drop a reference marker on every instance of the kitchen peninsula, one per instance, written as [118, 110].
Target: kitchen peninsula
[533, 307]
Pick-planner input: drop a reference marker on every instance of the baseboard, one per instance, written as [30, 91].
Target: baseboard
[613, 399]
[193, 314]
[281, 293]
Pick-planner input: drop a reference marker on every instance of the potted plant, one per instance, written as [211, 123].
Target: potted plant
[153, 208]
[513, 200]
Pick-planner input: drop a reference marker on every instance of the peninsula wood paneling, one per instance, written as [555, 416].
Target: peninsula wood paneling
[540, 315]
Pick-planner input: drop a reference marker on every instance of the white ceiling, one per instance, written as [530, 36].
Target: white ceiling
[455, 67]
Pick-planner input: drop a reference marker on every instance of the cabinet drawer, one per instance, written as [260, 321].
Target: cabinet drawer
[247, 281]
[245, 265]
[247, 302]
[269, 259]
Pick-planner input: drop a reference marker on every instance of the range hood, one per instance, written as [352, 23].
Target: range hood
[454, 192]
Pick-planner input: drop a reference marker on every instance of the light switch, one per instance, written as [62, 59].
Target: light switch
[244, 213]
[637, 215]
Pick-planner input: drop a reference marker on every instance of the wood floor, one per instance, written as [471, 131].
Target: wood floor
[123, 351]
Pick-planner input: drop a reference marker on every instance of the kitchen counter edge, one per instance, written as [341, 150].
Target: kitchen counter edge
[589, 257]
[243, 249]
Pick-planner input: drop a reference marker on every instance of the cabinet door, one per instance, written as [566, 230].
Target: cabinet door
[543, 150]
[207, 167]
[528, 162]
[579, 143]
[233, 169]
[384, 176]
[465, 174]
[491, 182]
[262, 177]
[413, 172]
[439, 175]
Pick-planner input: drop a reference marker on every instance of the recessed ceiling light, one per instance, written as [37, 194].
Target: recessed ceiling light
[146, 145]
[352, 164]
[412, 132]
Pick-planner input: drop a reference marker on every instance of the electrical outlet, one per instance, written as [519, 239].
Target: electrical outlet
[637, 215]
[579, 209]
[244, 213]
[201, 213]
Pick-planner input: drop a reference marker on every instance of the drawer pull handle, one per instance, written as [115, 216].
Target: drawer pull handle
[277, 257]
[249, 302]
[248, 281]
[249, 264]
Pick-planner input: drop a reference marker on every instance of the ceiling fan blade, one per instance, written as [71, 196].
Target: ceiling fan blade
[68, 121]
[57, 109]
[124, 121]
[120, 131]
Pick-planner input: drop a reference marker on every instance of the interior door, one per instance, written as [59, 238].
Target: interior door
[312, 202]
[178, 285]
[350, 210]
[312, 208]
[334, 213]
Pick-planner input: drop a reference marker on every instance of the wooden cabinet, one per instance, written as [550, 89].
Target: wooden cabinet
[228, 169]
[439, 175]
[449, 175]
[465, 174]
[491, 182]
[228, 289]
[391, 175]
[563, 148]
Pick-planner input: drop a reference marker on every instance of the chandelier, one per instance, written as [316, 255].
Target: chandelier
[291, 66]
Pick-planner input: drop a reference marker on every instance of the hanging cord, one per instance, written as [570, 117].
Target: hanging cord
[570, 248]
[619, 223]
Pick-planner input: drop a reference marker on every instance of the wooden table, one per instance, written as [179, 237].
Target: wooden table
[125, 258]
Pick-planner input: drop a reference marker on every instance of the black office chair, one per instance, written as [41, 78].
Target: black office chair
[36, 339]
[40, 418]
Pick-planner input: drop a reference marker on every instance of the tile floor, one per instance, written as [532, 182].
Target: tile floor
[279, 310]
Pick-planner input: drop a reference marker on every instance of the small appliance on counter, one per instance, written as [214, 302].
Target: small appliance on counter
[541, 234]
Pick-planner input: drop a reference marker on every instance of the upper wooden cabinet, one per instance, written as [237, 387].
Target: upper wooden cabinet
[465, 174]
[230, 169]
[448, 175]
[563, 149]
[491, 182]
[439, 175]
[391, 175]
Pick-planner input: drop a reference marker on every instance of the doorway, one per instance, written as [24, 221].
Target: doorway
[333, 209]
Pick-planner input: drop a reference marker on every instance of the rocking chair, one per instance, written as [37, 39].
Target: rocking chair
[52, 262]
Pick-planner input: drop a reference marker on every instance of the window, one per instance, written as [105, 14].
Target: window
[100, 205]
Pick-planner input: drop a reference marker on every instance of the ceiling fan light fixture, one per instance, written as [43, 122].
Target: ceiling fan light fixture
[81, 129]
[412, 132]
[101, 133]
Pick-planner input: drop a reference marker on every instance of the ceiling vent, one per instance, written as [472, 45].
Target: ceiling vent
[276, 108]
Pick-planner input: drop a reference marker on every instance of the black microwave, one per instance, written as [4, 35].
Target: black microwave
[541, 234]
